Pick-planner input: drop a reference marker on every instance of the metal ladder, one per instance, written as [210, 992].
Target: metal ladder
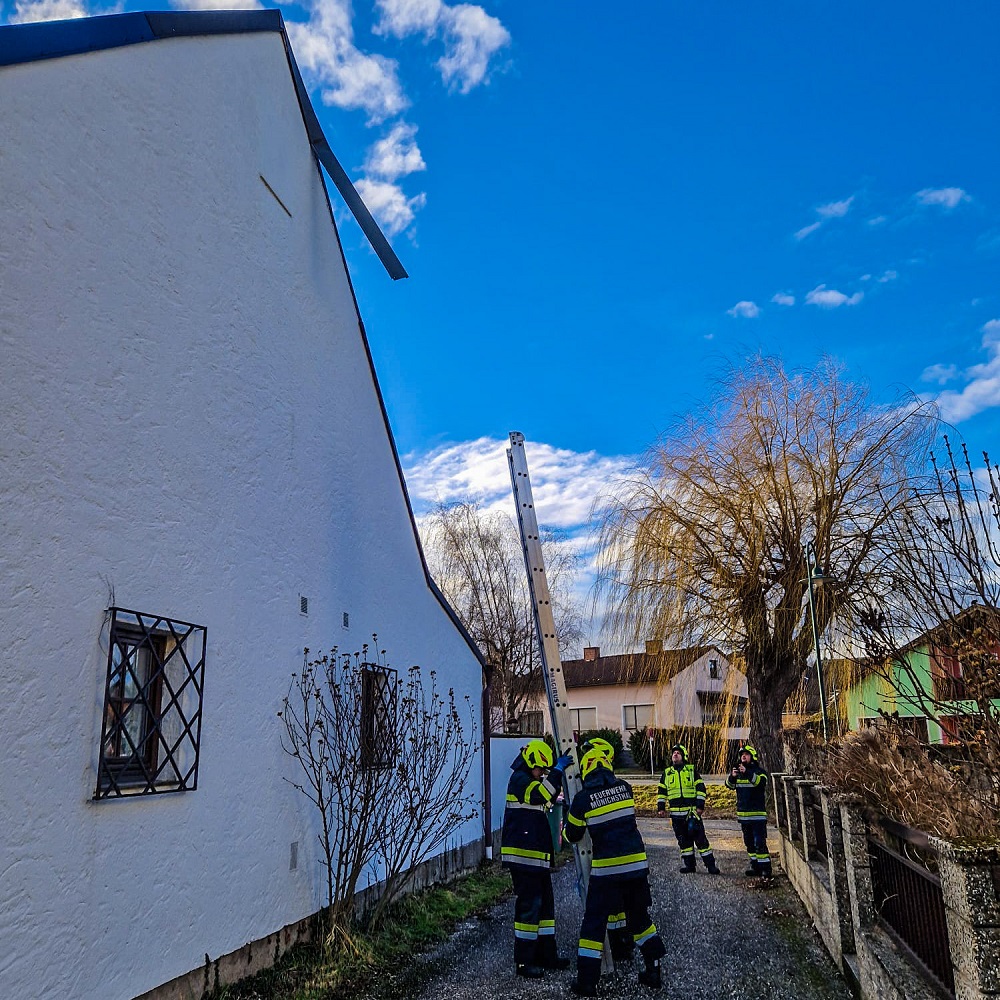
[552, 672]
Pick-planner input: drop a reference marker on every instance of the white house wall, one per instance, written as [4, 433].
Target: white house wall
[189, 428]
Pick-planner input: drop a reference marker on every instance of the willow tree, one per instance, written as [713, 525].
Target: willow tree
[476, 558]
[707, 539]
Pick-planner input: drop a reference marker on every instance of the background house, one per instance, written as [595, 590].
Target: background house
[196, 471]
[657, 687]
[927, 684]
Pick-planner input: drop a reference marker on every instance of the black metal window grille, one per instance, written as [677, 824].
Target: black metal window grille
[910, 904]
[378, 716]
[151, 731]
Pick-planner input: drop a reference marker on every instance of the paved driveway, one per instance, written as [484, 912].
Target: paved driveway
[727, 937]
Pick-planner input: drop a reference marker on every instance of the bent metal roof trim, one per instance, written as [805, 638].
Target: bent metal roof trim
[21, 43]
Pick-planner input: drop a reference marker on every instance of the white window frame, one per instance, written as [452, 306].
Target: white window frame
[631, 729]
[574, 714]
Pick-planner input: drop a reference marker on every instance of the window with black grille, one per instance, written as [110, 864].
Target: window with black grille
[378, 716]
[151, 731]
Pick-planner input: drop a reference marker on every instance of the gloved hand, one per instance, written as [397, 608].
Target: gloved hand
[563, 762]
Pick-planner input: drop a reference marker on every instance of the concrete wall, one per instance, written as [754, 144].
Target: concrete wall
[190, 427]
[838, 894]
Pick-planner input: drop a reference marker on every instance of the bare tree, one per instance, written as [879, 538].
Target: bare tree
[477, 561]
[708, 538]
[929, 625]
[385, 763]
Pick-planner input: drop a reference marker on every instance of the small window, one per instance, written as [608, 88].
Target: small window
[152, 706]
[532, 723]
[583, 719]
[378, 716]
[637, 716]
[713, 669]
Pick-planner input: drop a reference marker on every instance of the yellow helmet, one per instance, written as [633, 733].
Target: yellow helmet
[537, 754]
[750, 749]
[599, 743]
[592, 760]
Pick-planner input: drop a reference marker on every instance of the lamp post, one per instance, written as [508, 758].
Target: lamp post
[815, 575]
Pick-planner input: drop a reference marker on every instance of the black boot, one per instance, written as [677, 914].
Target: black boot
[530, 971]
[686, 869]
[583, 989]
[713, 869]
[752, 870]
[556, 962]
[650, 976]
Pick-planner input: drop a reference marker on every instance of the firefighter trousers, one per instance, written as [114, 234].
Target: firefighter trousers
[607, 895]
[534, 916]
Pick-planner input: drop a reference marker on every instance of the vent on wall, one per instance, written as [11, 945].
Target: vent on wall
[303, 605]
[347, 620]
[293, 856]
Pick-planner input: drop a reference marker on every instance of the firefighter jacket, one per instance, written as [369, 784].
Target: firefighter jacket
[526, 839]
[605, 807]
[751, 792]
[683, 788]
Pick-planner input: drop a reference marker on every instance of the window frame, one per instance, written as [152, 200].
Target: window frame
[377, 741]
[153, 652]
[652, 717]
[527, 730]
[579, 727]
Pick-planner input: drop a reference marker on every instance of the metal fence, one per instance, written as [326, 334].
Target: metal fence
[909, 901]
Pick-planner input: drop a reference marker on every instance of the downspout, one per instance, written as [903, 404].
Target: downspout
[487, 769]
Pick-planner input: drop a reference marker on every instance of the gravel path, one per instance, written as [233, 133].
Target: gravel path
[727, 937]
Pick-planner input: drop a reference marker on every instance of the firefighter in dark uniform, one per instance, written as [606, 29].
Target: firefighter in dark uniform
[619, 874]
[618, 935]
[526, 849]
[750, 781]
[684, 789]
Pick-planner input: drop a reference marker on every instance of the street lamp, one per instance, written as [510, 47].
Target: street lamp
[815, 575]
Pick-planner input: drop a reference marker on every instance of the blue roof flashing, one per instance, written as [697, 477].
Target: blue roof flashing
[23, 43]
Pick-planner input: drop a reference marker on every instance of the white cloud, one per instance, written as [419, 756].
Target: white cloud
[389, 204]
[47, 10]
[471, 36]
[835, 209]
[806, 230]
[347, 78]
[945, 197]
[831, 210]
[745, 310]
[396, 154]
[783, 299]
[983, 389]
[830, 298]
[878, 220]
[564, 482]
[939, 373]
[887, 276]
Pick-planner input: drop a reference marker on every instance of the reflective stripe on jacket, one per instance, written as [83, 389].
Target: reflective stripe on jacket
[751, 793]
[605, 807]
[526, 838]
[683, 788]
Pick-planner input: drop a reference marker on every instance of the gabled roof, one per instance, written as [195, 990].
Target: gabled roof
[23, 43]
[631, 668]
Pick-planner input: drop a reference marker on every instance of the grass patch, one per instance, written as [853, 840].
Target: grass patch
[720, 802]
[377, 964]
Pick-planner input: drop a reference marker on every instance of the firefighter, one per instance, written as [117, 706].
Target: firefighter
[750, 781]
[683, 788]
[619, 874]
[526, 850]
[618, 935]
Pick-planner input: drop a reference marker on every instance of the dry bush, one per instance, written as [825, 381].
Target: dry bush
[888, 768]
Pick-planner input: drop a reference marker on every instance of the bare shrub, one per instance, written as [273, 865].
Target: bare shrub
[889, 769]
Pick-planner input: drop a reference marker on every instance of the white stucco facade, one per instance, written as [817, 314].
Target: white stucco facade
[190, 428]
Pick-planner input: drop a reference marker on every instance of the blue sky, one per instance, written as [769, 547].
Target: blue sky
[601, 209]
